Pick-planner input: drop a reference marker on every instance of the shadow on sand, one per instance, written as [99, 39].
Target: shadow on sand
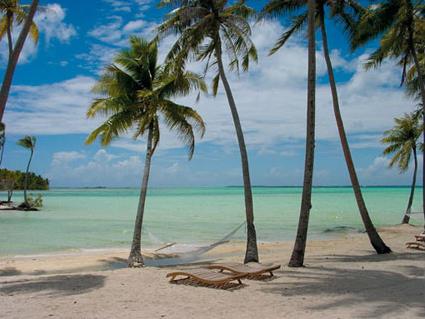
[391, 292]
[54, 285]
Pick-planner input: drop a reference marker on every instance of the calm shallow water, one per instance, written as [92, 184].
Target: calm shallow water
[74, 219]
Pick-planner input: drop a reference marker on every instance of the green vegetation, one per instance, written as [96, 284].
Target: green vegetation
[35, 182]
[402, 142]
[27, 142]
[136, 93]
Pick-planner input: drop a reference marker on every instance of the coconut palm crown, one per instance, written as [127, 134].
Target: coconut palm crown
[402, 143]
[137, 93]
[401, 140]
[208, 29]
[343, 12]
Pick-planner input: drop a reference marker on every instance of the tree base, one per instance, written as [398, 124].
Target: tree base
[26, 207]
[295, 264]
[297, 260]
[406, 219]
[135, 260]
[251, 254]
[381, 248]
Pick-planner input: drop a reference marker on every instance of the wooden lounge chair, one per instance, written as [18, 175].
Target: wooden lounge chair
[249, 270]
[202, 276]
[416, 245]
[420, 237]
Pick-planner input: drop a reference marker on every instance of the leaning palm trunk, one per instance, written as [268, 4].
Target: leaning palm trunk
[376, 241]
[406, 217]
[251, 254]
[26, 179]
[9, 34]
[2, 141]
[297, 257]
[14, 57]
[422, 91]
[135, 257]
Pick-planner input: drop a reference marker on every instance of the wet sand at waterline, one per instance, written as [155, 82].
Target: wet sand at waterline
[343, 278]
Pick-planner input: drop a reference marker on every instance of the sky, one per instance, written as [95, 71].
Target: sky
[52, 91]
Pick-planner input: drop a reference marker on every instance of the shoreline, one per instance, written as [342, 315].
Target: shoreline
[342, 278]
[329, 234]
[96, 259]
[325, 235]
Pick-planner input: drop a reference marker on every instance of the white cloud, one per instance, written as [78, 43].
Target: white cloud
[57, 108]
[271, 100]
[116, 32]
[118, 5]
[113, 36]
[128, 6]
[135, 25]
[51, 23]
[60, 158]
[109, 32]
[101, 169]
[379, 173]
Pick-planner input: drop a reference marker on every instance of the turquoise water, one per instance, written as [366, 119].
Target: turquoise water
[74, 219]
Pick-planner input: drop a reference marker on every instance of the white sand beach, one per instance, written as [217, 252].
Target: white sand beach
[343, 278]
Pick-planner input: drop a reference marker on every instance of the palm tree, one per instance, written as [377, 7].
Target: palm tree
[208, 29]
[402, 142]
[136, 95]
[344, 12]
[297, 257]
[14, 13]
[28, 142]
[398, 22]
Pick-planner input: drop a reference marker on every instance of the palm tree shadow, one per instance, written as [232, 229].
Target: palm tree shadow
[388, 292]
[10, 271]
[54, 285]
[373, 257]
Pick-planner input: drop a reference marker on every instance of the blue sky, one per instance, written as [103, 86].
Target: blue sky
[77, 38]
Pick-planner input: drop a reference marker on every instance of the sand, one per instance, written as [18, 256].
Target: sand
[343, 278]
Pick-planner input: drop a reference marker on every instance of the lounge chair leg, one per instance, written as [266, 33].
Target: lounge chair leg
[271, 274]
[240, 282]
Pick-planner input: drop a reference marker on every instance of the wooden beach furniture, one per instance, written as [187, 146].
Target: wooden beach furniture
[416, 245]
[206, 277]
[249, 270]
[420, 237]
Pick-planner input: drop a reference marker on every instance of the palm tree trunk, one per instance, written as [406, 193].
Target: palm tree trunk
[9, 34]
[135, 258]
[376, 241]
[2, 143]
[422, 90]
[26, 179]
[297, 257]
[251, 254]
[13, 61]
[406, 217]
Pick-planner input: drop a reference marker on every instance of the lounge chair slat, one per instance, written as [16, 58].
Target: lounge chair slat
[252, 270]
[205, 277]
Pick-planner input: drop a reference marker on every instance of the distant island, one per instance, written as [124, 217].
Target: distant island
[16, 180]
